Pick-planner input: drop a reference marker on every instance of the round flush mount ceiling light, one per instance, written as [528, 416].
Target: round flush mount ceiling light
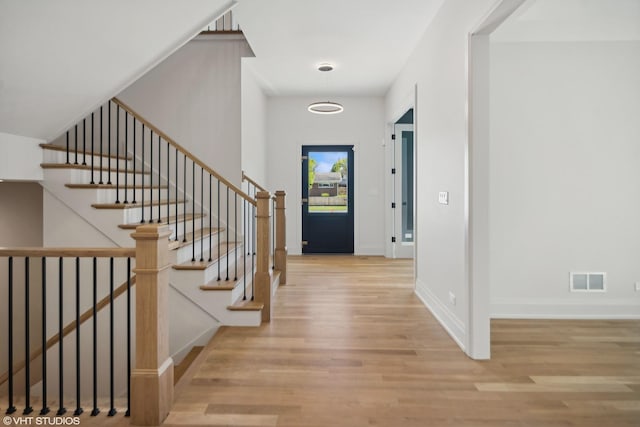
[325, 107]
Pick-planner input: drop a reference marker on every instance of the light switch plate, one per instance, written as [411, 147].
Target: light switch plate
[443, 197]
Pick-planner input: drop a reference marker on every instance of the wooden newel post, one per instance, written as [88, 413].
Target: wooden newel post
[262, 277]
[281, 237]
[152, 377]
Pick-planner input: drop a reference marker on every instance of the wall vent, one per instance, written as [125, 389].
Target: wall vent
[587, 282]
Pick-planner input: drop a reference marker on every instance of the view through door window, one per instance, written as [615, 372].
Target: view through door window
[328, 182]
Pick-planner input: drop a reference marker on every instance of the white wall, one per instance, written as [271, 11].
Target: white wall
[254, 125]
[438, 66]
[20, 158]
[290, 126]
[565, 182]
[61, 60]
[20, 225]
[194, 97]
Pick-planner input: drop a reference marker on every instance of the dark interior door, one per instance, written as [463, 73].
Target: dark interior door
[327, 199]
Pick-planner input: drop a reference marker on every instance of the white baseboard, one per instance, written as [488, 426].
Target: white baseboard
[542, 308]
[449, 321]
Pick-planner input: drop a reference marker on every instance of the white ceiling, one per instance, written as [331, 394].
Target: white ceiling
[572, 20]
[368, 41]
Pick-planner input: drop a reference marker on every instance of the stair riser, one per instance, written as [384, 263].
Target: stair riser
[109, 195]
[51, 156]
[78, 176]
[135, 215]
[198, 278]
[185, 253]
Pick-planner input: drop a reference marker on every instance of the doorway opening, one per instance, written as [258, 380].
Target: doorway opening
[327, 199]
[403, 175]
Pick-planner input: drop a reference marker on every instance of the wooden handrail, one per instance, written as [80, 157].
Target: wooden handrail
[184, 151]
[69, 252]
[104, 302]
[255, 184]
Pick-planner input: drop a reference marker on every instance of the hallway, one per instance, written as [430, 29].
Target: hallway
[351, 345]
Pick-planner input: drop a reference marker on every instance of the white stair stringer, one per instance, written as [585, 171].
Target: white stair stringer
[216, 302]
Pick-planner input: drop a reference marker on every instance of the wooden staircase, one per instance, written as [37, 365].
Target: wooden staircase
[208, 266]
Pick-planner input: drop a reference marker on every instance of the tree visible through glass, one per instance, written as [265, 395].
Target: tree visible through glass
[328, 182]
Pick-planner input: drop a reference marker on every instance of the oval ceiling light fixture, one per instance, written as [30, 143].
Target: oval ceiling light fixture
[325, 107]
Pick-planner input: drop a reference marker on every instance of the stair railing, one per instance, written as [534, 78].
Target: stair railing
[277, 230]
[149, 170]
[61, 287]
[226, 24]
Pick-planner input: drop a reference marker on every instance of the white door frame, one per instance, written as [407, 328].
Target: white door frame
[400, 248]
[478, 345]
[410, 101]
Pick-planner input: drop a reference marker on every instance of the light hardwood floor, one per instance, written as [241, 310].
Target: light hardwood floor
[351, 345]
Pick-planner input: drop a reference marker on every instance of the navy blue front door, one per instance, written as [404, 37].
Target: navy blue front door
[327, 199]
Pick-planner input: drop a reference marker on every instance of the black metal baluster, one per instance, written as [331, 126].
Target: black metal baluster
[101, 152]
[235, 234]
[273, 234]
[61, 409]
[84, 141]
[159, 178]
[78, 410]
[118, 154]
[45, 409]
[92, 149]
[193, 209]
[201, 215]
[95, 410]
[150, 177]
[169, 185]
[142, 172]
[109, 143]
[227, 220]
[177, 194]
[184, 213]
[126, 155]
[112, 410]
[128, 412]
[11, 409]
[133, 161]
[76, 144]
[244, 244]
[210, 216]
[253, 256]
[218, 197]
[27, 341]
[67, 147]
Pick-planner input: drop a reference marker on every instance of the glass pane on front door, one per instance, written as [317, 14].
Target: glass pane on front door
[328, 182]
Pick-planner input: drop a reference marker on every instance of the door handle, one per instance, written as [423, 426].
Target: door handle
[304, 200]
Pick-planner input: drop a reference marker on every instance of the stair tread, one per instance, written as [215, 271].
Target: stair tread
[246, 305]
[88, 167]
[203, 265]
[130, 205]
[223, 285]
[172, 220]
[198, 235]
[88, 153]
[113, 186]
